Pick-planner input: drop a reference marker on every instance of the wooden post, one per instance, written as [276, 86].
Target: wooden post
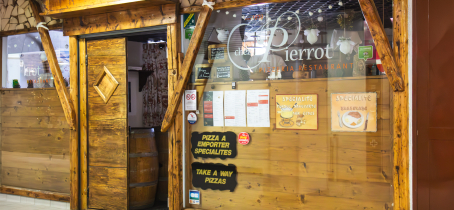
[401, 109]
[74, 144]
[382, 44]
[60, 85]
[186, 68]
[83, 84]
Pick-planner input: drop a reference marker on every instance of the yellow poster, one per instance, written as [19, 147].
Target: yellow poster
[354, 112]
[297, 112]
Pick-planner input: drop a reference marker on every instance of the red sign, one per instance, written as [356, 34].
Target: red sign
[243, 138]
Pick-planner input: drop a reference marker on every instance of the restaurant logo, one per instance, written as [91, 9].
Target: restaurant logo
[292, 55]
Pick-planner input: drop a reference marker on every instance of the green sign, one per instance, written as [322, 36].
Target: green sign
[189, 21]
[366, 52]
[188, 33]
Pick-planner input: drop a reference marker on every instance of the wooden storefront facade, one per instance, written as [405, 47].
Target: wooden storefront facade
[98, 177]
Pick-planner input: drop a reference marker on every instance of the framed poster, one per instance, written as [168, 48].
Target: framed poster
[222, 72]
[297, 112]
[217, 53]
[354, 112]
[202, 72]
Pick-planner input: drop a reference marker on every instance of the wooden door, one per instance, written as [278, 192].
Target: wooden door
[107, 124]
[433, 86]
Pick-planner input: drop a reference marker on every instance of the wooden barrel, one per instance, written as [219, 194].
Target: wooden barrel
[143, 169]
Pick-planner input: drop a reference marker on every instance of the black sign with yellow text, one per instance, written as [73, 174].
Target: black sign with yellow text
[214, 145]
[214, 176]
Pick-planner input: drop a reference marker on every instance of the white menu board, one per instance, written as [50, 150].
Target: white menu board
[258, 108]
[235, 108]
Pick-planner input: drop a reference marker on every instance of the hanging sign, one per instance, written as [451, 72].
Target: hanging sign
[244, 138]
[190, 100]
[214, 145]
[214, 176]
[354, 112]
[194, 197]
[297, 112]
[365, 52]
[192, 118]
[189, 21]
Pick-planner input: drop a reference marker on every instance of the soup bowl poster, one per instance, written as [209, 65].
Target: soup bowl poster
[354, 112]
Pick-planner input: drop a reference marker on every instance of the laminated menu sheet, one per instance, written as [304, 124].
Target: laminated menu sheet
[213, 113]
[235, 108]
[258, 108]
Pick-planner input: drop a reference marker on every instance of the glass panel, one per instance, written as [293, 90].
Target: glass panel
[293, 110]
[27, 63]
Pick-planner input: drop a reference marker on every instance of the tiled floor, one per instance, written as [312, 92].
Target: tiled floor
[14, 202]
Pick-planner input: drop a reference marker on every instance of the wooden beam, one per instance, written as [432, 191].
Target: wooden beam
[74, 142]
[30, 30]
[186, 68]
[231, 4]
[401, 109]
[59, 81]
[381, 41]
[139, 17]
[83, 84]
[69, 9]
[47, 195]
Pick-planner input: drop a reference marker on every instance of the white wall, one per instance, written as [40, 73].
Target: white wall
[135, 50]
[135, 116]
[135, 59]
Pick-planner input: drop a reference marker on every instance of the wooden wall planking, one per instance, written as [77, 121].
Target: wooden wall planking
[308, 169]
[35, 140]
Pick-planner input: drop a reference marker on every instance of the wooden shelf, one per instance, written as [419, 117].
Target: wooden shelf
[292, 80]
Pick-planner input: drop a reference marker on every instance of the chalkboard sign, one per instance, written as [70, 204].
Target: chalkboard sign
[203, 73]
[214, 176]
[217, 53]
[223, 71]
[214, 145]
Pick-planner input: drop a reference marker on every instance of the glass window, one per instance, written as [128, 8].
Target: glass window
[294, 110]
[26, 61]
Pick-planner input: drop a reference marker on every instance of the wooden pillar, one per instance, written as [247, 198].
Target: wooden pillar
[83, 187]
[60, 85]
[175, 131]
[74, 141]
[401, 109]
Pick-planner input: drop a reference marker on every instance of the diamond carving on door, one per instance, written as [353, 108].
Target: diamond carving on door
[105, 84]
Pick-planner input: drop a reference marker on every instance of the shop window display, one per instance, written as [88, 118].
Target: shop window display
[300, 88]
[26, 63]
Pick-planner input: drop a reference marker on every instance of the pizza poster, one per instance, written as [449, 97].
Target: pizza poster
[297, 112]
[354, 112]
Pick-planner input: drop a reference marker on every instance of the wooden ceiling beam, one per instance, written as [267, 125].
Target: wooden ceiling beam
[186, 68]
[59, 81]
[69, 9]
[231, 4]
[139, 17]
[382, 44]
